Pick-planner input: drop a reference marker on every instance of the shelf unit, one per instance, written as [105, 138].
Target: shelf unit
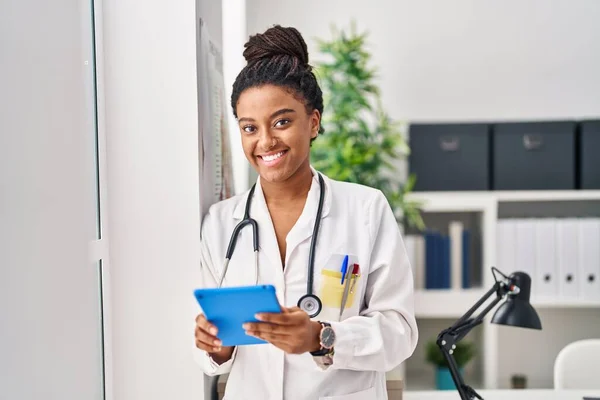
[437, 309]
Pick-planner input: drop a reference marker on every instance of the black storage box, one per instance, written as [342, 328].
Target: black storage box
[450, 156]
[534, 156]
[589, 157]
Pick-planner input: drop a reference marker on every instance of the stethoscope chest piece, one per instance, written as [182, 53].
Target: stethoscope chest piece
[310, 304]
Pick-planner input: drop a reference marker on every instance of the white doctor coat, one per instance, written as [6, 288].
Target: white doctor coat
[377, 330]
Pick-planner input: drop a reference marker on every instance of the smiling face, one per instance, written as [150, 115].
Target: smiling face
[276, 131]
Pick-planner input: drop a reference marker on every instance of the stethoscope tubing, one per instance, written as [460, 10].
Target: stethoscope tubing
[313, 242]
[250, 221]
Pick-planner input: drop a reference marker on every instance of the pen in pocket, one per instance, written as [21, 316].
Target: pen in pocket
[355, 271]
[345, 269]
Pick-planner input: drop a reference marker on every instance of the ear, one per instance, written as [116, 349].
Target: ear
[315, 123]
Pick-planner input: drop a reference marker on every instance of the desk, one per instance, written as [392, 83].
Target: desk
[522, 394]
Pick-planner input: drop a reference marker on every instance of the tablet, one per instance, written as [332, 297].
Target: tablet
[229, 308]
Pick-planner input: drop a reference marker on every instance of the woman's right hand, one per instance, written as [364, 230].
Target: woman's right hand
[206, 339]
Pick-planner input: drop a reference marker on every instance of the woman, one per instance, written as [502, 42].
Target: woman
[340, 353]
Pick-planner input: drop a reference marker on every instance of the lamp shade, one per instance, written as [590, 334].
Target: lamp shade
[516, 310]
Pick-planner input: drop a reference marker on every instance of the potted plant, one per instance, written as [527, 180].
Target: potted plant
[361, 142]
[463, 353]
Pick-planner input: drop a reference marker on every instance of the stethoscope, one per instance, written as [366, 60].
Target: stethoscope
[309, 303]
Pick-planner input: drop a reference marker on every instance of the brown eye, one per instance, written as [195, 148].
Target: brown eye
[282, 122]
[249, 129]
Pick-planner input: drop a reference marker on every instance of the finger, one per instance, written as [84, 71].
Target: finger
[203, 323]
[286, 318]
[207, 337]
[270, 337]
[208, 347]
[267, 328]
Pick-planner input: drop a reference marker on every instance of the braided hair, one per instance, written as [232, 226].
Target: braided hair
[279, 56]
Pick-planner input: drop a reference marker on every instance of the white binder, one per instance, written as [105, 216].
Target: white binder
[420, 262]
[505, 246]
[525, 249]
[567, 233]
[455, 230]
[589, 258]
[545, 282]
[415, 250]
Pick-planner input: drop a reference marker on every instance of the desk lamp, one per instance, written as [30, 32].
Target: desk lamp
[515, 311]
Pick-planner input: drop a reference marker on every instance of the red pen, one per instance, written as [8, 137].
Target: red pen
[355, 271]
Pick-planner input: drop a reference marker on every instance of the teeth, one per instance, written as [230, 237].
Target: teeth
[273, 156]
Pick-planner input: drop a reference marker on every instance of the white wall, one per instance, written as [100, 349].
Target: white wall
[153, 193]
[50, 331]
[465, 59]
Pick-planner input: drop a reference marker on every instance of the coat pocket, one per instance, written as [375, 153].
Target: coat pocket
[339, 297]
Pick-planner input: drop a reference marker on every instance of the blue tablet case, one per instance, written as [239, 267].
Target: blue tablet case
[229, 308]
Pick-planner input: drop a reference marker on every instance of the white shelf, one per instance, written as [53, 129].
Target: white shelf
[564, 303]
[476, 200]
[445, 303]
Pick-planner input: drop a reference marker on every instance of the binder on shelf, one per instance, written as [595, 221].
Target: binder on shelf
[567, 236]
[441, 261]
[446, 272]
[437, 260]
[456, 229]
[466, 259]
[545, 280]
[420, 261]
[589, 258]
[505, 245]
[431, 262]
[525, 247]
[415, 250]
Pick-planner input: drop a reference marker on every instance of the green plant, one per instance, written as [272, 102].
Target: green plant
[361, 142]
[463, 353]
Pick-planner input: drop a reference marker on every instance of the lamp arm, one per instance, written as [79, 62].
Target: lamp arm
[448, 338]
[462, 330]
[461, 321]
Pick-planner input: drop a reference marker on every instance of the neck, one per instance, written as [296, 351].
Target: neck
[295, 187]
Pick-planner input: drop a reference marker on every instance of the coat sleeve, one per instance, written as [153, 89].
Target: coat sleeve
[385, 333]
[208, 279]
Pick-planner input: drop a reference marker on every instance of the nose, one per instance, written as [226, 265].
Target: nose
[266, 140]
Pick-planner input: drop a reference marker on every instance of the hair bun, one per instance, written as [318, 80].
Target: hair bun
[275, 42]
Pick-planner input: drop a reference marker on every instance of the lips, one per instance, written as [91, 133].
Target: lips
[272, 158]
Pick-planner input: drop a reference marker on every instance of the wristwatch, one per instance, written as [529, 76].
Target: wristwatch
[327, 339]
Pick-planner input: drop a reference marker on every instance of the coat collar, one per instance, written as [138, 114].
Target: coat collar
[301, 231]
[238, 212]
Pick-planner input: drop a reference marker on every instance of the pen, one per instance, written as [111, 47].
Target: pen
[346, 287]
[344, 268]
[355, 271]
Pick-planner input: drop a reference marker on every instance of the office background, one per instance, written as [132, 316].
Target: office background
[472, 61]
[438, 61]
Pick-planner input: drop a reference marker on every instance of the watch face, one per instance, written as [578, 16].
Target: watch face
[327, 337]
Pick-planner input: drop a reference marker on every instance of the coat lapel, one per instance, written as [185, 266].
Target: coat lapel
[303, 229]
[267, 241]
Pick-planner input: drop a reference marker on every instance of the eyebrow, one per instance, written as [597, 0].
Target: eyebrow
[275, 114]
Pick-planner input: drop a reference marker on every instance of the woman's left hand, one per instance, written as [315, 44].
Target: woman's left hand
[291, 330]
